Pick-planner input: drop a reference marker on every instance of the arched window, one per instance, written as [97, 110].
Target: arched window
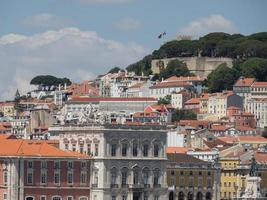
[156, 176]
[208, 196]
[145, 149]
[83, 198]
[136, 177]
[190, 196]
[199, 196]
[113, 177]
[29, 198]
[135, 149]
[146, 176]
[181, 196]
[124, 177]
[156, 149]
[113, 149]
[124, 148]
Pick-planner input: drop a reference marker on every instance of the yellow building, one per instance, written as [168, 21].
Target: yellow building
[8, 109]
[191, 178]
[235, 165]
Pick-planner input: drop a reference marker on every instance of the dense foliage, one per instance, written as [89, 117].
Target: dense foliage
[165, 100]
[48, 80]
[115, 70]
[175, 67]
[224, 77]
[178, 115]
[235, 46]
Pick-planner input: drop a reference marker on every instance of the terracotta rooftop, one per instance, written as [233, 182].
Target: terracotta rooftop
[259, 84]
[245, 128]
[244, 82]
[171, 150]
[171, 84]
[192, 101]
[183, 78]
[218, 128]
[194, 123]
[137, 85]
[92, 99]
[7, 136]
[27, 148]
[261, 157]
[183, 158]
[256, 138]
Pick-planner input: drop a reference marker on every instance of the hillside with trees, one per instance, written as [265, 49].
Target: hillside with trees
[234, 46]
[48, 80]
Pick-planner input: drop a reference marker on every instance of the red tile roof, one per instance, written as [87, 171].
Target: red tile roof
[171, 84]
[27, 148]
[244, 82]
[137, 85]
[176, 150]
[183, 78]
[192, 101]
[92, 99]
[256, 138]
[259, 84]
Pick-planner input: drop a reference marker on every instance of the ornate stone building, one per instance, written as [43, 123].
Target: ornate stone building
[129, 162]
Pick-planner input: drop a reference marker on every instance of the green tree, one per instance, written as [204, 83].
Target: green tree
[221, 79]
[178, 115]
[255, 68]
[49, 80]
[175, 67]
[115, 70]
[165, 100]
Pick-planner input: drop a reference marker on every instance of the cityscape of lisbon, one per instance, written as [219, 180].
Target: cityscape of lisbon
[133, 100]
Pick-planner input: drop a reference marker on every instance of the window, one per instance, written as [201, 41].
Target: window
[43, 197]
[135, 178]
[113, 197]
[209, 173]
[56, 165]
[43, 164]
[70, 165]
[191, 173]
[70, 178]
[56, 178]
[43, 177]
[200, 173]
[96, 178]
[181, 173]
[83, 165]
[5, 196]
[70, 198]
[57, 198]
[29, 178]
[124, 149]
[5, 178]
[124, 177]
[113, 150]
[146, 177]
[30, 164]
[88, 149]
[96, 149]
[66, 146]
[156, 197]
[81, 148]
[73, 147]
[156, 177]
[156, 150]
[124, 197]
[83, 177]
[83, 198]
[145, 150]
[135, 149]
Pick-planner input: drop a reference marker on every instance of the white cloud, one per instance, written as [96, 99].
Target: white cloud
[213, 23]
[128, 24]
[106, 1]
[68, 52]
[46, 20]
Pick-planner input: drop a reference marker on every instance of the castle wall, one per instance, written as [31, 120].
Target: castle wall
[201, 66]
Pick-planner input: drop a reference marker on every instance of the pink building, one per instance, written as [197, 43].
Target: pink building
[35, 170]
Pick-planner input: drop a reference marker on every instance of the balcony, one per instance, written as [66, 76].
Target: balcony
[146, 185]
[124, 185]
[114, 186]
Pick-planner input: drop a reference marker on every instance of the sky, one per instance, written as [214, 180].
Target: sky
[81, 39]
